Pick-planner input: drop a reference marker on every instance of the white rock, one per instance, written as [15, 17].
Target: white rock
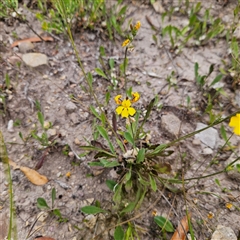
[223, 233]
[171, 124]
[209, 136]
[10, 126]
[25, 46]
[207, 151]
[35, 59]
[233, 173]
[51, 132]
[70, 107]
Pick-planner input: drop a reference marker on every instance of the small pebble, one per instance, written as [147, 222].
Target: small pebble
[10, 126]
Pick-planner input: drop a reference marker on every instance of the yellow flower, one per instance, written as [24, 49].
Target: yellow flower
[138, 25]
[68, 174]
[235, 124]
[118, 99]
[135, 97]
[125, 109]
[126, 42]
[228, 205]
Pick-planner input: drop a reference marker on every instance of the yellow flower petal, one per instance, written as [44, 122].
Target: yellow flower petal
[126, 103]
[126, 42]
[118, 99]
[235, 124]
[135, 97]
[131, 111]
[119, 110]
[138, 25]
[125, 112]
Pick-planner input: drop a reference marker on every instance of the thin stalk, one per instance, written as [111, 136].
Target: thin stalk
[124, 68]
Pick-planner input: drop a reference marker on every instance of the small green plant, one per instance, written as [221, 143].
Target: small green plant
[200, 29]
[42, 204]
[78, 14]
[7, 7]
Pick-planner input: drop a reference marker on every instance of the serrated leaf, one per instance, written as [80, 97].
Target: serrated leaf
[111, 184]
[41, 203]
[118, 233]
[100, 72]
[164, 223]
[92, 210]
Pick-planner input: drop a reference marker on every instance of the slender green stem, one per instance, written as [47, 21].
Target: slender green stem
[125, 67]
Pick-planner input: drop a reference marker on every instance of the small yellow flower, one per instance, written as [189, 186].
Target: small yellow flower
[126, 42]
[138, 25]
[235, 124]
[210, 215]
[135, 97]
[68, 174]
[118, 99]
[125, 109]
[228, 205]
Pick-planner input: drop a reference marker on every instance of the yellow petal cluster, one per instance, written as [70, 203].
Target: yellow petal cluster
[125, 109]
[235, 124]
[126, 42]
[137, 26]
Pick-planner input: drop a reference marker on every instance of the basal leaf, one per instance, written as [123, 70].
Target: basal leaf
[41, 203]
[153, 183]
[92, 210]
[118, 233]
[100, 72]
[164, 223]
[111, 184]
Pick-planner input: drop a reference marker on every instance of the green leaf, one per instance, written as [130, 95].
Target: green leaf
[41, 118]
[128, 137]
[117, 197]
[92, 210]
[128, 174]
[129, 208]
[141, 155]
[111, 184]
[238, 167]
[95, 113]
[111, 63]
[223, 133]
[89, 80]
[53, 196]
[100, 72]
[217, 182]
[41, 203]
[104, 134]
[164, 223]
[216, 79]
[118, 233]
[196, 70]
[57, 213]
[153, 183]
[109, 164]
[98, 164]
[211, 68]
